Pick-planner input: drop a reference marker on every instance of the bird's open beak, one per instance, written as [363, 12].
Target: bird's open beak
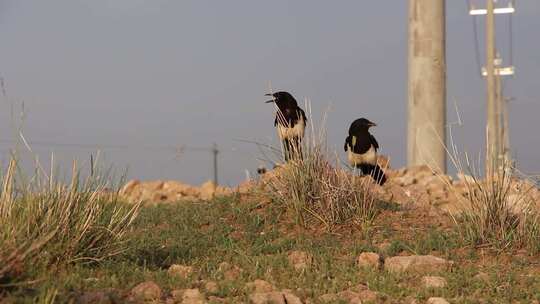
[372, 124]
[269, 101]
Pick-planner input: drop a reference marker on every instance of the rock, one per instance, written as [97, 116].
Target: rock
[435, 300]
[259, 286]
[180, 271]
[146, 292]
[350, 297]
[285, 296]
[274, 297]
[417, 263]
[94, 297]
[410, 300]
[208, 190]
[188, 296]
[434, 282]
[368, 296]
[290, 297]
[152, 192]
[193, 296]
[300, 260]
[369, 260]
[177, 295]
[127, 190]
[211, 287]
[213, 299]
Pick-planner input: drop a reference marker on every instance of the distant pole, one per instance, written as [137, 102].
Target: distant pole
[492, 129]
[91, 165]
[505, 132]
[426, 134]
[497, 145]
[215, 152]
[499, 115]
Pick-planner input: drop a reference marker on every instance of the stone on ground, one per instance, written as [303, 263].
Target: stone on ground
[285, 296]
[259, 286]
[434, 282]
[211, 287]
[435, 300]
[300, 260]
[95, 297]
[180, 271]
[369, 260]
[188, 296]
[274, 297]
[417, 263]
[146, 292]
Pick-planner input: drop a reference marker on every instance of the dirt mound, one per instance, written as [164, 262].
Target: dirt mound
[418, 186]
[422, 187]
[170, 191]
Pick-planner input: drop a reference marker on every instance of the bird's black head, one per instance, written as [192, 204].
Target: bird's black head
[283, 100]
[361, 124]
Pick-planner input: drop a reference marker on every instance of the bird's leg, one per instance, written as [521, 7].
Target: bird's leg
[297, 148]
[286, 149]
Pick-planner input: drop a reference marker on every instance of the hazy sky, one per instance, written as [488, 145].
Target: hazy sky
[147, 74]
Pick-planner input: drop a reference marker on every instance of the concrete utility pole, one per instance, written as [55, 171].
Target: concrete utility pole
[492, 129]
[426, 134]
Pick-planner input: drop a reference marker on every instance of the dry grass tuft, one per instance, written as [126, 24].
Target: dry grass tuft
[499, 216]
[315, 191]
[498, 210]
[55, 224]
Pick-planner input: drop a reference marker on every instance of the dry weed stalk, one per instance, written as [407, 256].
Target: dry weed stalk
[312, 189]
[57, 223]
[492, 211]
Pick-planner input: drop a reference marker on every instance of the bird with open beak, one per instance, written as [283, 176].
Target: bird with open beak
[290, 122]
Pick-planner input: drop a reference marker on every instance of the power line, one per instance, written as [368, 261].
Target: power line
[476, 43]
[180, 148]
[497, 116]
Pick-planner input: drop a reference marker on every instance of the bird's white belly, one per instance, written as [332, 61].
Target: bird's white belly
[370, 157]
[289, 133]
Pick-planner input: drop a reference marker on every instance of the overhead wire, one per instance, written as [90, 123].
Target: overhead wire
[476, 42]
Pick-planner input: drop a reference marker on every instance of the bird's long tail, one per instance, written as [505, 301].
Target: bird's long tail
[375, 171]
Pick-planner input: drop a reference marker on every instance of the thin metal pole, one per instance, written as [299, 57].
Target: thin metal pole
[215, 152]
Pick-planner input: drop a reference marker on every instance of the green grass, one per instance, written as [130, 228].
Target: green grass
[205, 234]
[47, 225]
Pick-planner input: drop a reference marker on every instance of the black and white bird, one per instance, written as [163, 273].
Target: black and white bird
[290, 122]
[361, 148]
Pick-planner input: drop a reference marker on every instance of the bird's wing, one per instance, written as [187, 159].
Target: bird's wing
[373, 141]
[347, 143]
